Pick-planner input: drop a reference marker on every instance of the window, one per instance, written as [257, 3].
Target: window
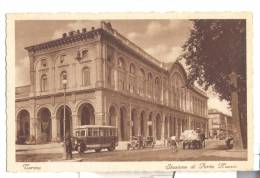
[62, 58]
[157, 88]
[121, 84]
[150, 85]
[85, 76]
[44, 63]
[82, 133]
[110, 72]
[95, 132]
[85, 53]
[121, 63]
[63, 76]
[132, 68]
[141, 82]
[44, 82]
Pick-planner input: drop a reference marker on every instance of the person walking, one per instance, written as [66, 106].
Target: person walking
[68, 146]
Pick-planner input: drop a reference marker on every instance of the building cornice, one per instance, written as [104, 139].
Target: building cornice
[107, 33]
[73, 38]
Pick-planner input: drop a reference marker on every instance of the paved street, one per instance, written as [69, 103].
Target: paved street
[215, 150]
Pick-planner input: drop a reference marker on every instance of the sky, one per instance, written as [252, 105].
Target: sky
[163, 39]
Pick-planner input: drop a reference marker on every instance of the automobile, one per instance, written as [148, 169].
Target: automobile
[136, 142]
[95, 137]
[229, 141]
[149, 141]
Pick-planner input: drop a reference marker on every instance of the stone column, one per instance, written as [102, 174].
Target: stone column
[177, 127]
[54, 128]
[32, 128]
[75, 121]
[154, 130]
[99, 108]
[168, 126]
[118, 124]
[163, 128]
[138, 122]
[130, 121]
[37, 126]
[147, 124]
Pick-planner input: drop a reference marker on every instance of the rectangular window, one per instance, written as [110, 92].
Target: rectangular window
[82, 133]
[95, 132]
[90, 132]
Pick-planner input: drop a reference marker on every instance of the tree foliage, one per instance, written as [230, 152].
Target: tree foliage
[213, 50]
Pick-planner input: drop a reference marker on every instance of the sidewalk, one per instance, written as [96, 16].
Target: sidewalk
[40, 148]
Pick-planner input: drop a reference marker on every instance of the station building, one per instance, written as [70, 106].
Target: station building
[110, 81]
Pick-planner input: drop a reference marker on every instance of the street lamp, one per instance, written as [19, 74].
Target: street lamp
[64, 82]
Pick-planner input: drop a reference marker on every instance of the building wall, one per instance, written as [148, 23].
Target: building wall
[219, 123]
[124, 89]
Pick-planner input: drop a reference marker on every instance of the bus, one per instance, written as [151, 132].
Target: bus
[95, 137]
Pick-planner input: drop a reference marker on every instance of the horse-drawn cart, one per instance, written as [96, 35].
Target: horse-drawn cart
[192, 139]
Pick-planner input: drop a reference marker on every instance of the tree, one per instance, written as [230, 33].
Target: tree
[215, 49]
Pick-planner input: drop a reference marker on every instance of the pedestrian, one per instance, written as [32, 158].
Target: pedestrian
[68, 145]
[173, 144]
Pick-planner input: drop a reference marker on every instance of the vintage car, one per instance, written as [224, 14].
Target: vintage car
[95, 137]
[135, 143]
[229, 141]
[149, 141]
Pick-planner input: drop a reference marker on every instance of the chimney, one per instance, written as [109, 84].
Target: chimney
[64, 35]
[92, 28]
[78, 31]
[84, 30]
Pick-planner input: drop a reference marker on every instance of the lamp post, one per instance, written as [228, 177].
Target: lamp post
[64, 82]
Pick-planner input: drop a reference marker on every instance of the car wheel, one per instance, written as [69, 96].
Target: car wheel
[97, 150]
[111, 148]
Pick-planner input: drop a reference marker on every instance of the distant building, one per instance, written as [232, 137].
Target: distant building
[111, 81]
[220, 124]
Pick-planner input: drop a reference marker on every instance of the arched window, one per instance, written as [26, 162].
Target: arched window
[141, 82]
[132, 84]
[132, 68]
[62, 58]
[110, 72]
[150, 85]
[44, 82]
[121, 63]
[63, 77]
[85, 76]
[43, 63]
[157, 89]
[84, 53]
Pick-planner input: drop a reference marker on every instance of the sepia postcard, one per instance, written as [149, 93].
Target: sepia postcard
[129, 92]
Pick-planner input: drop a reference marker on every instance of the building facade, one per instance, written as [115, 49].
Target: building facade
[110, 81]
[220, 124]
